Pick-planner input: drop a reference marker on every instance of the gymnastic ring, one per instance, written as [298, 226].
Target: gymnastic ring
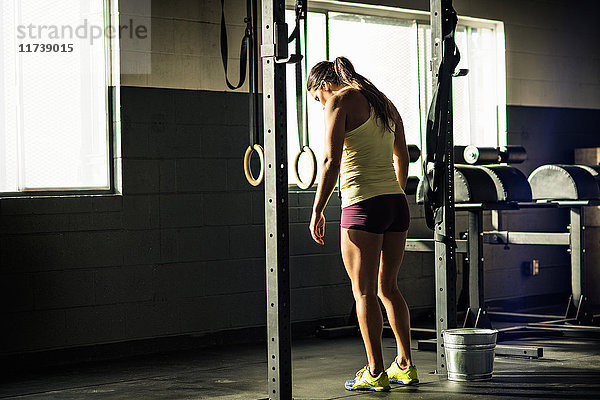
[313, 161]
[248, 171]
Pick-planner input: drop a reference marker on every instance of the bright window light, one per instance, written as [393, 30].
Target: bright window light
[475, 97]
[383, 50]
[53, 97]
[395, 54]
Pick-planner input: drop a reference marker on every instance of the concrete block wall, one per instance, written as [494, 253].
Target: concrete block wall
[185, 50]
[181, 250]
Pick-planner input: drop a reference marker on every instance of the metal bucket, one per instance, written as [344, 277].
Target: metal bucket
[469, 353]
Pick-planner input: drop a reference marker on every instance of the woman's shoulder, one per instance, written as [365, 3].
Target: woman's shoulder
[349, 94]
[352, 98]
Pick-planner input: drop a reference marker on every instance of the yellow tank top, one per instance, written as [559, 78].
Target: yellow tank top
[367, 168]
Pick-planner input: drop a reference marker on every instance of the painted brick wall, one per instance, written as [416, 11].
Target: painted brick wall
[182, 250]
[185, 47]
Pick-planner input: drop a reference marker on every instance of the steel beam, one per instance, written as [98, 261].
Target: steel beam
[523, 317]
[276, 206]
[487, 206]
[519, 351]
[560, 326]
[496, 220]
[428, 245]
[500, 350]
[475, 260]
[575, 203]
[476, 316]
[527, 238]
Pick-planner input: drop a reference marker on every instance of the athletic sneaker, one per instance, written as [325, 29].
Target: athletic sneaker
[365, 381]
[406, 376]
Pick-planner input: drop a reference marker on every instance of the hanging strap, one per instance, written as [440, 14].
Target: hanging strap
[301, 70]
[300, 35]
[253, 70]
[249, 46]
[244, 46]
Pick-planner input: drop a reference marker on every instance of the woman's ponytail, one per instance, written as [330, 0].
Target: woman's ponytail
[345, 71]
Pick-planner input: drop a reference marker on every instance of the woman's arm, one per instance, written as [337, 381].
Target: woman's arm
[335, 122]
[401, 158]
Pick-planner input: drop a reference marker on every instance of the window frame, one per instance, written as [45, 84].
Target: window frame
[113, 121]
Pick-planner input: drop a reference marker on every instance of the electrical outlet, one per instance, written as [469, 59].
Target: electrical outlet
[531, 268]
[535, 267]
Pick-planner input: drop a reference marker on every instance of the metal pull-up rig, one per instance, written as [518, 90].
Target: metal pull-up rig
[274, 56]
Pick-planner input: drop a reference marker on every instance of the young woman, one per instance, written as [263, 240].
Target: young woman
[364, 142]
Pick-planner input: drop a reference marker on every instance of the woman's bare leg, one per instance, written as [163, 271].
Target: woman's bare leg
[361, 251]
[396, 308]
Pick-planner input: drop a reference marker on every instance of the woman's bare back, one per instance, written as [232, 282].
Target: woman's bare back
[356, 106]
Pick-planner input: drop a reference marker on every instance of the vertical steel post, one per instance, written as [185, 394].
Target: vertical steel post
[445, 257]
[476, 314]
[496, 220]
[276, 206]
[475, 260]
[577, 253]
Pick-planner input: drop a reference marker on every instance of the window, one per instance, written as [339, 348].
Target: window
[479, 100]
[392, 48]
[392, 43]
[54, 72]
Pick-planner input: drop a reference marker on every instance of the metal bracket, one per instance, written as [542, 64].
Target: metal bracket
[279, 49]
[461, 72]
[497, 237]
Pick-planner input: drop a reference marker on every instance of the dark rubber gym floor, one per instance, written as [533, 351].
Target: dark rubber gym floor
[569, 369]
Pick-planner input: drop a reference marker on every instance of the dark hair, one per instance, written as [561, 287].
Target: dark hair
[341, 72]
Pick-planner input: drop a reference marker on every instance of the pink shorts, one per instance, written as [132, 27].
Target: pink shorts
[379, 214]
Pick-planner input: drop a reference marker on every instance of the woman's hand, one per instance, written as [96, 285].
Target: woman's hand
[317, 227]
